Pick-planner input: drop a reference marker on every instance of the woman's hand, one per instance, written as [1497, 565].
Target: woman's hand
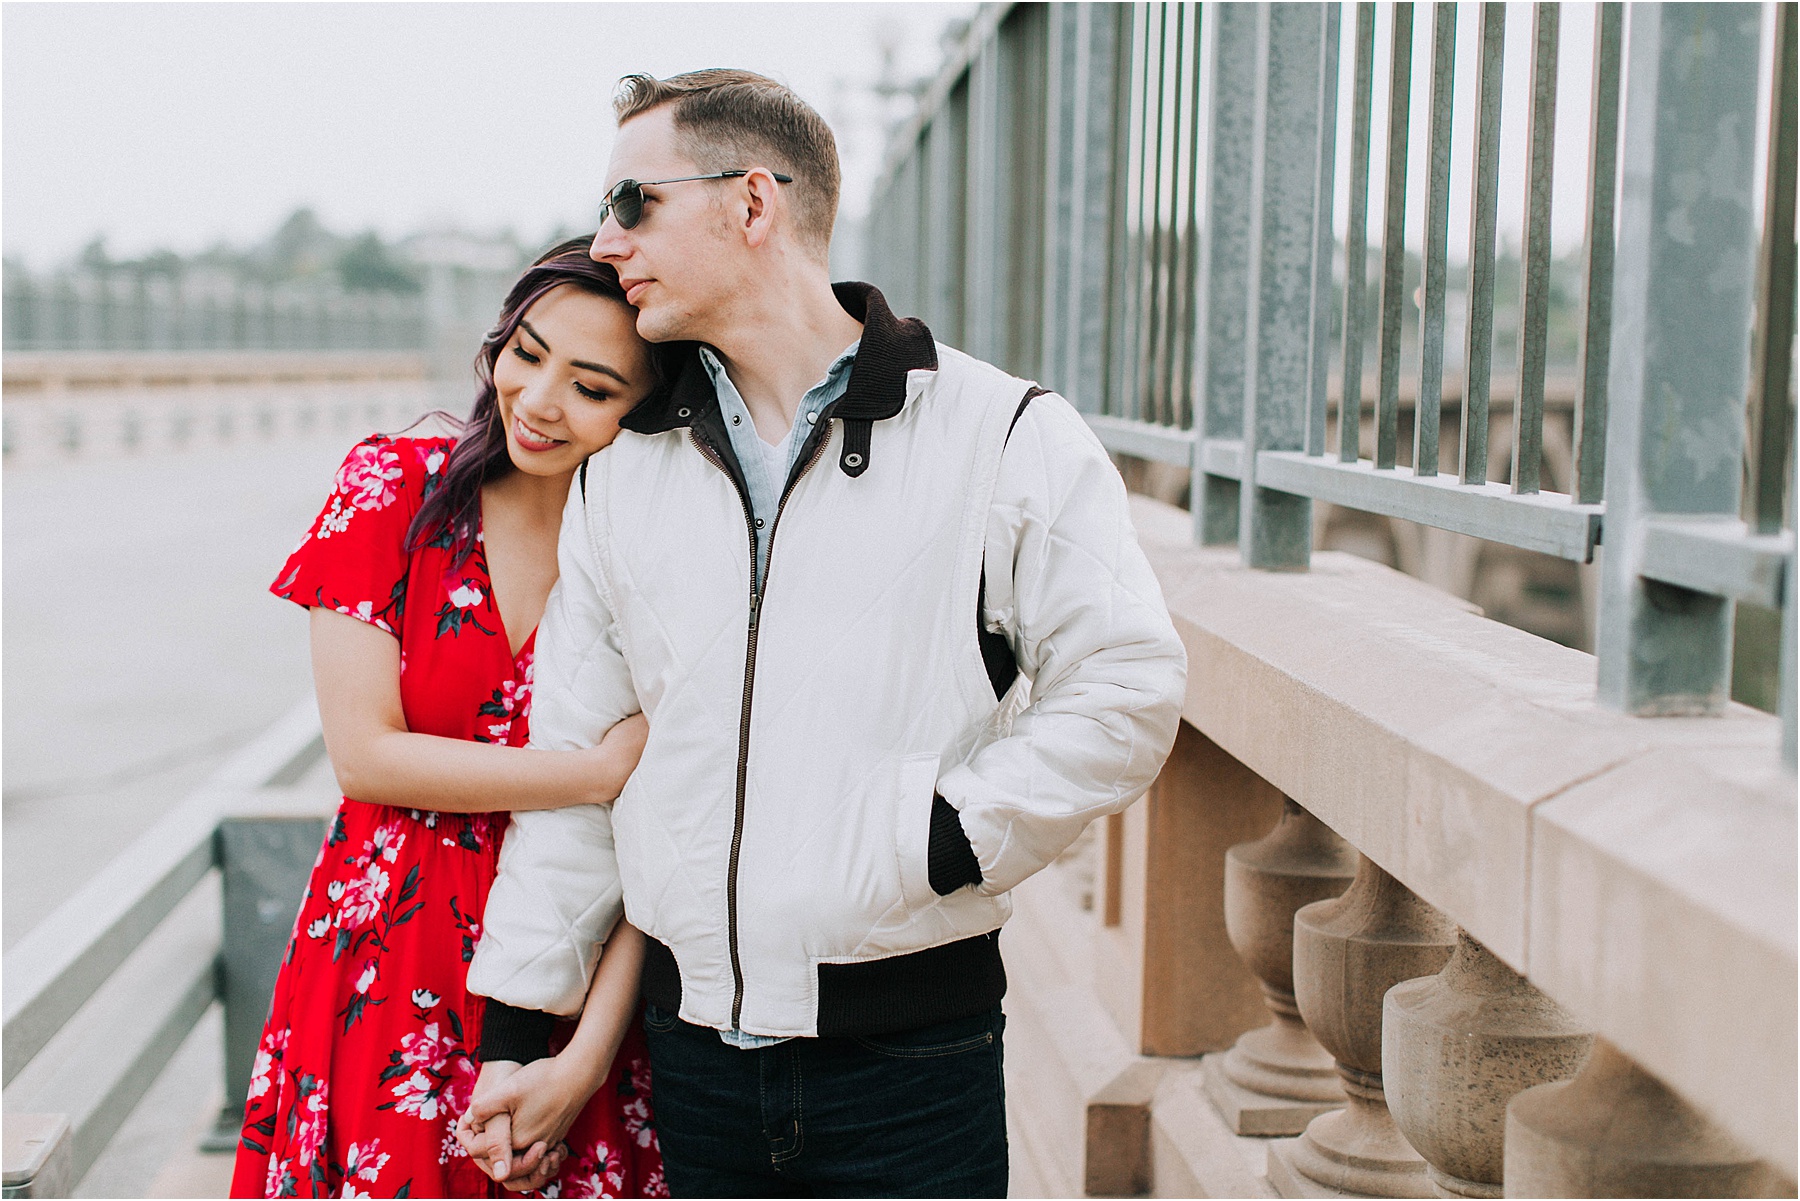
[617, 755]
[518, 1116]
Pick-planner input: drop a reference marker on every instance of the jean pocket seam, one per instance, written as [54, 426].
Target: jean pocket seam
[937, 1051]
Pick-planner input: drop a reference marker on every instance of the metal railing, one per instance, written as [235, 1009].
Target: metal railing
[122, 309]
[1135, 204]
[90, 1023]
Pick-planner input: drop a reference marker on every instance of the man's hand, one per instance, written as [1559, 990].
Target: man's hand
[487, 1137]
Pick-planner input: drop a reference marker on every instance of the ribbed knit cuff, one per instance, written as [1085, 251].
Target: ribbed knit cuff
[950, 861]
[520, 1035]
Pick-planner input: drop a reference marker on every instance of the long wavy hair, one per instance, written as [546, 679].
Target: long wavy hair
[451, 513]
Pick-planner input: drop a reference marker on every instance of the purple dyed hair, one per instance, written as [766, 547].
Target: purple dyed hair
[451, 513]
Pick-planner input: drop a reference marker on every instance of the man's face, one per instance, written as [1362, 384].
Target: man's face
[678, 262]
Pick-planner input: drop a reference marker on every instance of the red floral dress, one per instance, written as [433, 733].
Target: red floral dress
[368, 1057]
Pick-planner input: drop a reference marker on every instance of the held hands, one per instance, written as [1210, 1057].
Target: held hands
[517, 1117]
[617, 755]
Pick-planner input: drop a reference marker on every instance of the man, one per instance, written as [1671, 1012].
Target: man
[818, 566]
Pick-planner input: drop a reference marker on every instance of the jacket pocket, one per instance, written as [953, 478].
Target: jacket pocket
[912, 828]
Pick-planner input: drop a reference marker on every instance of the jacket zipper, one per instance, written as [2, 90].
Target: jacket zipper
[743, 763]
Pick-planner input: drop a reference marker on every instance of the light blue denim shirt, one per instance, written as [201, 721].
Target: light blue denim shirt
[766, 469]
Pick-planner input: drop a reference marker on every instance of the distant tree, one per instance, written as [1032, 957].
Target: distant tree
[367, 265]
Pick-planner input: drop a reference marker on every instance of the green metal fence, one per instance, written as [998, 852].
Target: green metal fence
[1135, 205]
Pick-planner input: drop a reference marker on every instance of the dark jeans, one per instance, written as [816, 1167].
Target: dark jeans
[920, 1113]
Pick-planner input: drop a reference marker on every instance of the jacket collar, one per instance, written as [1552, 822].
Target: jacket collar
[891, 347]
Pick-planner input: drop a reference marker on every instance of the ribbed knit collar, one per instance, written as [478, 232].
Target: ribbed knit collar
[891, 347]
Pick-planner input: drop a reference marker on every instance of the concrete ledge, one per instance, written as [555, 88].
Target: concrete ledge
[1463, 755]
[37, 372]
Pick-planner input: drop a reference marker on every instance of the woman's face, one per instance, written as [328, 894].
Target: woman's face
[573, 369]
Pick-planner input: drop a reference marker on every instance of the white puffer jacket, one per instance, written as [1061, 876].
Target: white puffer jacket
[780, 814]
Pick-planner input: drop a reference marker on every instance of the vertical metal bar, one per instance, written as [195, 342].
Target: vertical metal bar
[1437, 234]
[1178, 118]
[1589, 483]
[1319, 336]
[1123, 393]
[983, 168]
[1790, 602]
[1356, 237]
[1193, 150]
[1090, 248]
[1393, 240]
[1061, 164]
[1118, 281]
[1224, 295]
[1276, 529]
[1534, 300]
[1478, 353]
[1153, 282]
[1680, 354]
[1773, 367]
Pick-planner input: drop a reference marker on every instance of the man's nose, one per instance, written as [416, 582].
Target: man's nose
[610, 243]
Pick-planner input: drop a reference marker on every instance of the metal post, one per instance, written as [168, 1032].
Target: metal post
[1680, 349]
[1356, 238]
[1430, 400]
[981, 268]
[1319, 349]
[1222, 298]
[1534, 302]
[1393, 239]
[265, 861]
[1276, 527]
[1092, 180]
[1589, 485]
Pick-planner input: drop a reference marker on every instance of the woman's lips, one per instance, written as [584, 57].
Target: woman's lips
[530, 439]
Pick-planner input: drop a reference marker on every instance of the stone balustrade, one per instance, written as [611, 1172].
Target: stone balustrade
[1534, 876]
[101, 405]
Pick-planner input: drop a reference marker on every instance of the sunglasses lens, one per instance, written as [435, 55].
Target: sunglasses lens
[625, 203]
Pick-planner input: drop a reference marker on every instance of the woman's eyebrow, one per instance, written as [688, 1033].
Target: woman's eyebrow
[526, 326]
[602, 368]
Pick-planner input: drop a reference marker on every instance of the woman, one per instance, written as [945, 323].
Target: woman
[426, 574]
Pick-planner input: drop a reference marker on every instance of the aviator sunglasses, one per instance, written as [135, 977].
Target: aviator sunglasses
[626, 201]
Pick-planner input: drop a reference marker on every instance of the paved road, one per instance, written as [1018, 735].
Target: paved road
[140, 644]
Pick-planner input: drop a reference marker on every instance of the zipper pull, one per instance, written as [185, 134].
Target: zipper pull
[755, 608]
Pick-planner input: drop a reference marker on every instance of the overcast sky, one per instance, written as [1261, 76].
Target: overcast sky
[181, 124]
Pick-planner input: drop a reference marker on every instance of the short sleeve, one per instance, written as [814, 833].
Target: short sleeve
[353, 559]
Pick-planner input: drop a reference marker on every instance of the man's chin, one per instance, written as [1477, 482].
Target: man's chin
[660, 325]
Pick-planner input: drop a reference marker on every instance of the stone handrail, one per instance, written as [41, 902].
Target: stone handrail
[1638, 872]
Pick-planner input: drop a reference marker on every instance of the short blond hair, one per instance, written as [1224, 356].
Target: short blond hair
[729, 119]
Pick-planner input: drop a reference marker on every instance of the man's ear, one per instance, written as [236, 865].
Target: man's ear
[762, 201]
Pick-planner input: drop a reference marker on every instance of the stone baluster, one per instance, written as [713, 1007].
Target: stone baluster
[1347, 953]
[1455, 1048]
[1617, 1131]
[1277, 1078]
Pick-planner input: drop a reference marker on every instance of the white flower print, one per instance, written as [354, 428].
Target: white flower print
[319, 927]
[334, 891]
[385, 843]
[361, 897]
[419, 1097]
[310, 1135]
[364, 1161]
[424, 998]
[368, 475]
[367, 978]
[428, 1048]
[261, 1073]
[336, 521]
[434, 462]
[466, 595]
